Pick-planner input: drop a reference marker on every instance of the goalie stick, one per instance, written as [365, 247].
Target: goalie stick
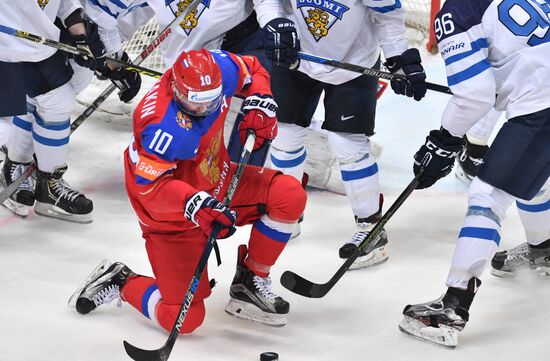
[9, 190]
[163, 353]
[75, 50]
[303, 287]
[369, 71]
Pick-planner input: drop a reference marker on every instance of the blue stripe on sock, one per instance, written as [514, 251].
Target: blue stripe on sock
[50, 142]
[288, 163]
[22, 123]
[349, 175]
[52, 126]
[534, 207]
[489, 234]
[271, 233]
[145, 300]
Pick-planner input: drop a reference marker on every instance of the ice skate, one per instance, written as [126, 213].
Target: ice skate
[507, 263]
[378, 254]
[103, 285]
[297, 229]
[252, 298]
[469, 161]
[55, 198]
[23, 198]
[440, 321]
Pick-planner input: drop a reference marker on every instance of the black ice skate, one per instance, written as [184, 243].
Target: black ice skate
[103, 285]
[23, 198]
[441, 320]
[469, 160]
[378, 254]
[251, 296]
[55, 198]
[507, 263]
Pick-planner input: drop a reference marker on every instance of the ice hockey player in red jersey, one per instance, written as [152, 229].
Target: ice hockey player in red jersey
[177, 170]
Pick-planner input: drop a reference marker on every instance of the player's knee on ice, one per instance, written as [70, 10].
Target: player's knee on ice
[167, 315]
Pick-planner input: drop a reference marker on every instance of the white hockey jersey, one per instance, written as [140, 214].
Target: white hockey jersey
[351, 31]
[203, 28]
[497, 53]
[36, 17]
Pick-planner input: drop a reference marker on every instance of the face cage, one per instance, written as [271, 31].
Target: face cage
[194, 108]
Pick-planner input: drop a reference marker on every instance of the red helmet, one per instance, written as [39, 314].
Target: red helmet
[197, 83]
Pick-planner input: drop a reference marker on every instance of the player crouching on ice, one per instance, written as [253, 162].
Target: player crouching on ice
[177, 170]
[503, 65]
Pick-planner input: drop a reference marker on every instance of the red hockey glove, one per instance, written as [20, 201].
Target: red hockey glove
[205, 211]
[259, 115]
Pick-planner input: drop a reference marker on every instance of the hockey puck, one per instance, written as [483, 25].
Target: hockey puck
[269, 356]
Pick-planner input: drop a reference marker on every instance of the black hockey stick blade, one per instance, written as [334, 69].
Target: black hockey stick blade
[299, 285]
[139, 354]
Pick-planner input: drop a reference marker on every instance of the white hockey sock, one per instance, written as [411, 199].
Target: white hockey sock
[5, 129]
[477, 243]
[20, 147]
[535, 216]
[51, 143]
[288, 153]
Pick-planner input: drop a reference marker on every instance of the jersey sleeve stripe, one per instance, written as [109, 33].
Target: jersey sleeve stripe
[468, 73]
[104, 8]
[476, 46]
[387, 8]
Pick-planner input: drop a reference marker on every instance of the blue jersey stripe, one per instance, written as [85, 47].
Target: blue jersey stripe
[534, 207]
[489, 234]
[271, 233]
[477, 45]
[279, 163]
[104, 8]
[468, 73]
[386, 9]
[349, 175]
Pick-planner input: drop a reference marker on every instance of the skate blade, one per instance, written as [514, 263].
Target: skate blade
[443, 336]
[246, 311]
[20, 210]
[296, 231]
[102, 267]
[51, 211]
[544, 272]
[502, 274]
[377, 256]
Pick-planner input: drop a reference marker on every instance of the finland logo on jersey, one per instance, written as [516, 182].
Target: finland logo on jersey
[43, 3]
[191, 21]
[320, 15]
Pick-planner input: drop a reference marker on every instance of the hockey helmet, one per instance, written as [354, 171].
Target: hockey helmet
[197, 83]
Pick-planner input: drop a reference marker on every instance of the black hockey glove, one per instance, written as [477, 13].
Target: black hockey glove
[409, 65]
[437, 156]
[93, 44]
[129, 82]
[281, 43]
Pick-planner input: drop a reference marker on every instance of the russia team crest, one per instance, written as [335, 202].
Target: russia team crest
[191, 21]
[320, 15]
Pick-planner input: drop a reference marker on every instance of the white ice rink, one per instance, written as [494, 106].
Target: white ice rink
[43, 260]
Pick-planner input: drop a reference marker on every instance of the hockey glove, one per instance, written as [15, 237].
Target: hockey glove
[437, 156]
[97, 60]
[128, 82]
[408, 64]
[281, 43]
[260, 116]
[205, 211]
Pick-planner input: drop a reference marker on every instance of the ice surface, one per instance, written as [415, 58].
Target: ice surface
[44, 260]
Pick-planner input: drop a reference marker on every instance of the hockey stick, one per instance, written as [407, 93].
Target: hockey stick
[74, 50]
[9, 190]
[163, 353]
[303, 287]
[369, 71]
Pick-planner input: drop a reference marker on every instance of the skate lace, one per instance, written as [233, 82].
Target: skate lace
[17, 171]
[263, 285]
[64, 190]
[520, 252]
[361, 234]
[106, 295]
